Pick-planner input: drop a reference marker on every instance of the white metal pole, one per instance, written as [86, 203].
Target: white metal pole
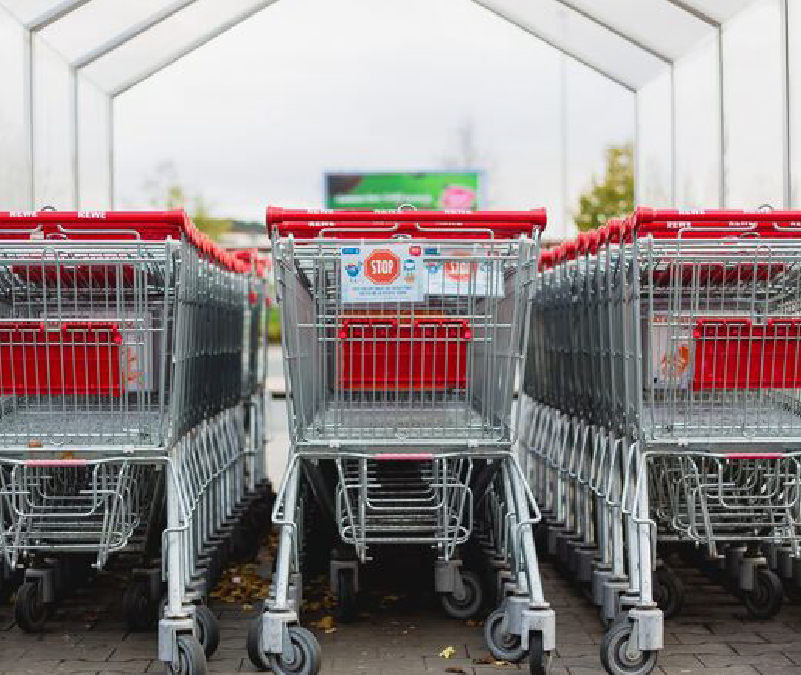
[74, 139]
[787, 182]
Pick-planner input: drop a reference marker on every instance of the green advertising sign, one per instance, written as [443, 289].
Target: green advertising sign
[423, 190]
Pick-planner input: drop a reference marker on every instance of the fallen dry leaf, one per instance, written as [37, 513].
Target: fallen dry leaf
[324, 623]
[447, 653]
[328, 631]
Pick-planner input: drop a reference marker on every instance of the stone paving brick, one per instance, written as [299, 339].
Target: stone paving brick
[713, 637]
[725, 660]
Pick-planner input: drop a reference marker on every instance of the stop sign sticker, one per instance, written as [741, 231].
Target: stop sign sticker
[458, 270]
[382, 273]
[382, 267]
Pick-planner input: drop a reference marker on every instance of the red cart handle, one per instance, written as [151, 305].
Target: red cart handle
[668, 223]
[305, 224]
[115, 226]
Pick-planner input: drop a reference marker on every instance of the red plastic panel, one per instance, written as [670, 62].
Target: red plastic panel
[385, 355]
[75, 357]
[734, 354]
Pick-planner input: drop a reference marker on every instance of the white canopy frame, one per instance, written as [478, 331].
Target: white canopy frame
[696, 9]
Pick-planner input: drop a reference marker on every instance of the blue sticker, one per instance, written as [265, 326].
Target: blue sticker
[409, 265]
[432, 250]
[352, 269]
[350, 251]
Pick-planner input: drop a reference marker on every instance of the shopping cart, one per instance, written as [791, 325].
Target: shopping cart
[402, 336]
[663, 408]
[121, 412]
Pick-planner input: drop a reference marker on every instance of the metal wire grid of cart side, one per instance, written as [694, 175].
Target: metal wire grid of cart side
[459, 388]
[131, 405]
[663, 395]
[400, 409]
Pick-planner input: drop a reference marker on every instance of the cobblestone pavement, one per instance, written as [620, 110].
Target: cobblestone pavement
[404, 633]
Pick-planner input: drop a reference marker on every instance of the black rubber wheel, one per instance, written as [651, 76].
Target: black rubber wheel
[668, 592]
[257, 657]
[613, 652]
[191, 659]
[539, 661]
[765, 601]
[30, 612]
[138, 608]
[346, 596]
[468, 606]
[503, 646]
[305, 658]
[208, 629]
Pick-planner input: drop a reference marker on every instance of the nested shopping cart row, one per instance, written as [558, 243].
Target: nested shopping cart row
[131, 413]
[661, 413]
[402, 338]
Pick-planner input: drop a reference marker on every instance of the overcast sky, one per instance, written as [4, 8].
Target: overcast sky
[306, 86]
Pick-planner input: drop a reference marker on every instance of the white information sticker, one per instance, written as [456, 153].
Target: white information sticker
[459, 271]
[382, 273]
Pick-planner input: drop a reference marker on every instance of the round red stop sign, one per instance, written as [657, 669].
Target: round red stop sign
[382, 267]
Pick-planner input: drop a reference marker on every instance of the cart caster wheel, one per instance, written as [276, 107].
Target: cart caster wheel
[30, 612]
[208, 629]
[257, 657]
[468, 606]
[765, 601]
[614, 656]
[503, 646]
[668, 592]
[138, 607]
[305, 658]
[346, 596]
[191, 659]
[539, 661]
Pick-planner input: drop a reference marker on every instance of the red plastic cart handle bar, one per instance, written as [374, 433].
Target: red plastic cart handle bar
[668, 223]
[115, 226]
[303, 224]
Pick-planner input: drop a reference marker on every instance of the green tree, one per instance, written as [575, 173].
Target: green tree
[614, 195]
[166, 192]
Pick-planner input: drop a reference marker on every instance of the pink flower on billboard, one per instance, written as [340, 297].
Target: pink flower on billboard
[457, 197]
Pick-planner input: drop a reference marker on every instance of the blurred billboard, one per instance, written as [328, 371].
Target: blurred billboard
[389, 190]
